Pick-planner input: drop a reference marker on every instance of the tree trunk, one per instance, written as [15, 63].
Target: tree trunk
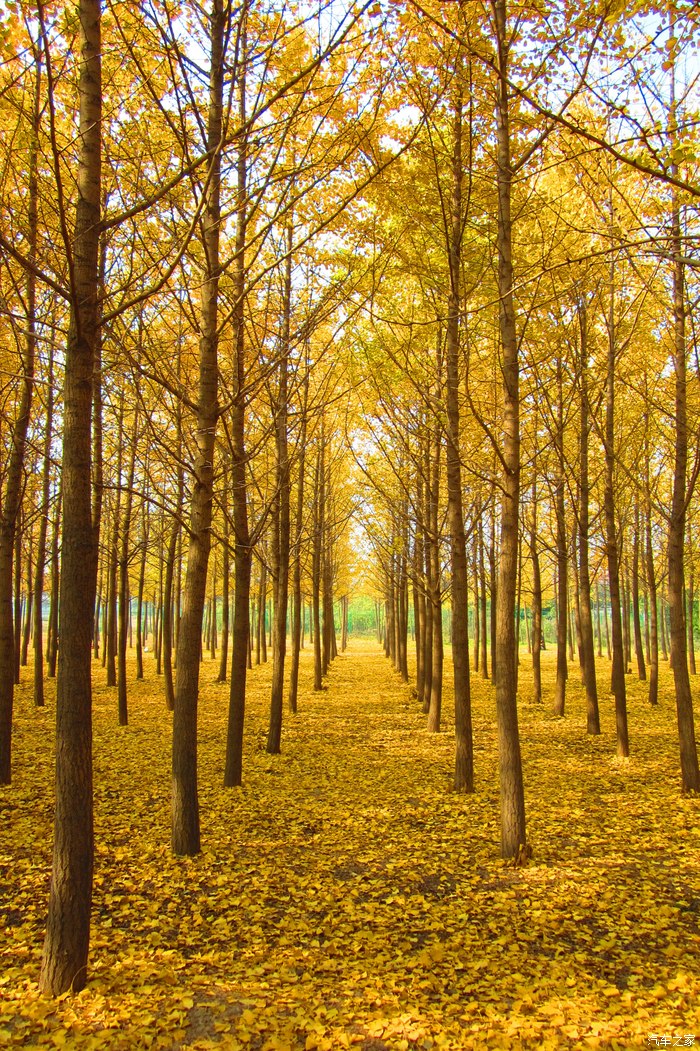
[584, 578]
[690, 606]
[52, 632]
[43, 534]
[536, 602]
[11, 498]
[513, 836]
[690, 771]
[482, 577]
[636, 612]
[185, 804]
[562, 554]
[243, 556]
[464, 756]
[124, 602]
[225, 590]
[297, 601]
[65, 952]
[435, 702]
[282, 532]
[140, 621]
[618, 667]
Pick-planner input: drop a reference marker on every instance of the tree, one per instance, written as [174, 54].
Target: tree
[64, 960]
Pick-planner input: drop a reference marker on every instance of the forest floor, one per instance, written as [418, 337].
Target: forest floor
[346, 897]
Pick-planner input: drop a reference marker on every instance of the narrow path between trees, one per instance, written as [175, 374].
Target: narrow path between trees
[346, 897]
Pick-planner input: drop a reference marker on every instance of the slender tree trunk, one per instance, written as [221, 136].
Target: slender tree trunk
[618, 668]
[690, 605]
[599, 634]
[65, 952]
[562, 554]
[626, 637]
[52, 632]
[477, 606]
[11, 498]
[435, 703]
[283, 515]
[185, 803]
[464, 757]
[140, 622]
[43, 534]
[636, 612]
[113, 564]
[482, 577]
[316, 568]
[27, 623]
[225, 582]
[690, 771]
[297, 599]
[536, 602]
[124, 602]
[243, 556]
[513, 836]
[587, 650]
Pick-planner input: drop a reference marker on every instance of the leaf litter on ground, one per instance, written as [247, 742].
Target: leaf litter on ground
[346, 897]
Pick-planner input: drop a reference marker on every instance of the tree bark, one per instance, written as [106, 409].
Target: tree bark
[690, 771]
[243, 556]
[43, 534]
[513, 835]
[562, 554]
[587, 650]
[65, 952]
[464, 755]
[11, 498]
[618, 667]
[124, 602]
[283, 516]
[185, 803]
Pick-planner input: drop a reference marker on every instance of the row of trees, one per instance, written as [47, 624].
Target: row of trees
[171, 348]
[531, 359]
[436, 251]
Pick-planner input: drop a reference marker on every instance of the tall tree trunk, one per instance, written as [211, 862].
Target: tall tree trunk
[282, 531]
[65, 952]
[297, 600]
[626, 637]
[584, 578]
[316, 568]
[690, 605]
[52, 631]
[113, 563]
[124, 601]
[141, 624]
[11, 498]
[225, 582]
[562, 553]
[636, 611]
[243, 556]
[185, 803]
[475, 575]
[536, 600]
[513, 836]
[690, 771]
[27, 623]
[435, 702]
[43, 534]
[618, 666]
[482, 578]
[464, 756]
